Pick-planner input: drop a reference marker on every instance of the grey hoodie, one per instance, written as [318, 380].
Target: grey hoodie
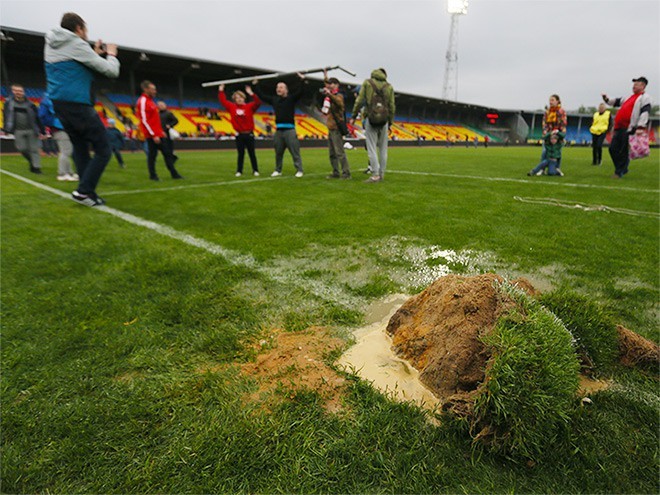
[71, 63]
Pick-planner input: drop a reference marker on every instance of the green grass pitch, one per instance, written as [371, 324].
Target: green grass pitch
[181, 273]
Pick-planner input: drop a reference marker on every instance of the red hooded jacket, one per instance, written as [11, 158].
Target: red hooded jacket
[242, 116]
[149, 116]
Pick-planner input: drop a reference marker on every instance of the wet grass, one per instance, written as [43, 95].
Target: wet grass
[106, 326]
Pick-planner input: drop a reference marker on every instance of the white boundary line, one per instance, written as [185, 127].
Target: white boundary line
[524, 181]
[558, 183]
[315, 287]
[235, 182]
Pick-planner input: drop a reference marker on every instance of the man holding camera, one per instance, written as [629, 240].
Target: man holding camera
[333, 107]
[71, 64]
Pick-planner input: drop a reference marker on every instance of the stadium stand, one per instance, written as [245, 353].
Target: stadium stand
[204, 118]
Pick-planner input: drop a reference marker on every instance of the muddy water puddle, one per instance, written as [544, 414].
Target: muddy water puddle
[372, 359]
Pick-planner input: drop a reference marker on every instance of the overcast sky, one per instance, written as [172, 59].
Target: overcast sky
[511, 53]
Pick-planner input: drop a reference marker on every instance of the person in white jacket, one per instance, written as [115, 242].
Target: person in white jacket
[632, 118]
[71, 64]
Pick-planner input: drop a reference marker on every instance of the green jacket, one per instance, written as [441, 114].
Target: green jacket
[553, 151]
[367, 92]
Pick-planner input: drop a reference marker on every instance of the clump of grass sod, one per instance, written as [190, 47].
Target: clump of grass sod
[529, 392]
[593, 328]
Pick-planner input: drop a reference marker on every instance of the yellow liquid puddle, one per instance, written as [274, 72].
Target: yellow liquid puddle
[372, 359]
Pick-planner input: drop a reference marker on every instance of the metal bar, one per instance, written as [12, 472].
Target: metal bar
[272, 75]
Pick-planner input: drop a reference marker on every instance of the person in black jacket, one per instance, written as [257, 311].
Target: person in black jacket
[116, 139]
[167, 120]
[284, 104]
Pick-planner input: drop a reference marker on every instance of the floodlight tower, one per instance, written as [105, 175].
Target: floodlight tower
[456, 8]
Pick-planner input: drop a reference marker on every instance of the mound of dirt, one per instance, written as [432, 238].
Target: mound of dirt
[635, 350]
[294, 361]
[439, 332]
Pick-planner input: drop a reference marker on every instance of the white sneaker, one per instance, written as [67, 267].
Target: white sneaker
[560, 173]
[276, 174]
[238, 174]
[256, 174]
[299, 173]
[62, 178]
[73, 177]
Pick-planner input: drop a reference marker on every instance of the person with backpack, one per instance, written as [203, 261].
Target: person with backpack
[50, 120]
[377, 96]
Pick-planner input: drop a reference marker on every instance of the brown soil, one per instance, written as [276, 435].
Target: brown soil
[439, 333]
[292, 362]
[635, 350]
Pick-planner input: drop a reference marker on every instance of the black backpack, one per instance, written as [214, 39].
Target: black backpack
[378, 111]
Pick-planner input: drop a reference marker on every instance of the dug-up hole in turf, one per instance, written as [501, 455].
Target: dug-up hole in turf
[373, 359]
[286, 363]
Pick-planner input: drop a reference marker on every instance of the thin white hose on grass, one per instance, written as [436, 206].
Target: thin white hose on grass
[586, 207]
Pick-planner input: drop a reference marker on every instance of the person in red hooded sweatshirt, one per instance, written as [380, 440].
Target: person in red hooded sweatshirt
[149, 115]
[242, 119]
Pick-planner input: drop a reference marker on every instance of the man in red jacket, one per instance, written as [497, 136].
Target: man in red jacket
[242, 119]
[149, 116]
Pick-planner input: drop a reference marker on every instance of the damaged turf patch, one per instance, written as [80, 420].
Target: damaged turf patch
[287, 363]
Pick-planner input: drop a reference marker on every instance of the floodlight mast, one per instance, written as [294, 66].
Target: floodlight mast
[450, 88]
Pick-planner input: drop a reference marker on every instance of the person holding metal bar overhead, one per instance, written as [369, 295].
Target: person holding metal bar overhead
[284, 104]
[242, 120]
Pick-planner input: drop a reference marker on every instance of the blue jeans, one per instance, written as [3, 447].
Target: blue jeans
[550, 164]
[84, 127]
[544, 156]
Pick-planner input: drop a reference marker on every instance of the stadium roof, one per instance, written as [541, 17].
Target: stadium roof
[23, 48]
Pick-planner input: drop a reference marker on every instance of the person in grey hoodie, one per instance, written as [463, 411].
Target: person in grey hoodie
[71, 64]
[22, 120]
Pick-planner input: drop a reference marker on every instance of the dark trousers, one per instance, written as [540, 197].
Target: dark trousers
[85, 129]
[619, 152]
[117, 153]
[597, 141]
[246, 142]
[168, 156]
[337, 153]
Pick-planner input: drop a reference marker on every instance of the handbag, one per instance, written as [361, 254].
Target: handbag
[638, 146]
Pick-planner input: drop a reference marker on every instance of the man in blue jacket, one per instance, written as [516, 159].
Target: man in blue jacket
[71, 64]
[21, 119]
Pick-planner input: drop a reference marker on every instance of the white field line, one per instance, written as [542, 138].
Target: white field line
[236, 182]
[558, 183]
[332, 294]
